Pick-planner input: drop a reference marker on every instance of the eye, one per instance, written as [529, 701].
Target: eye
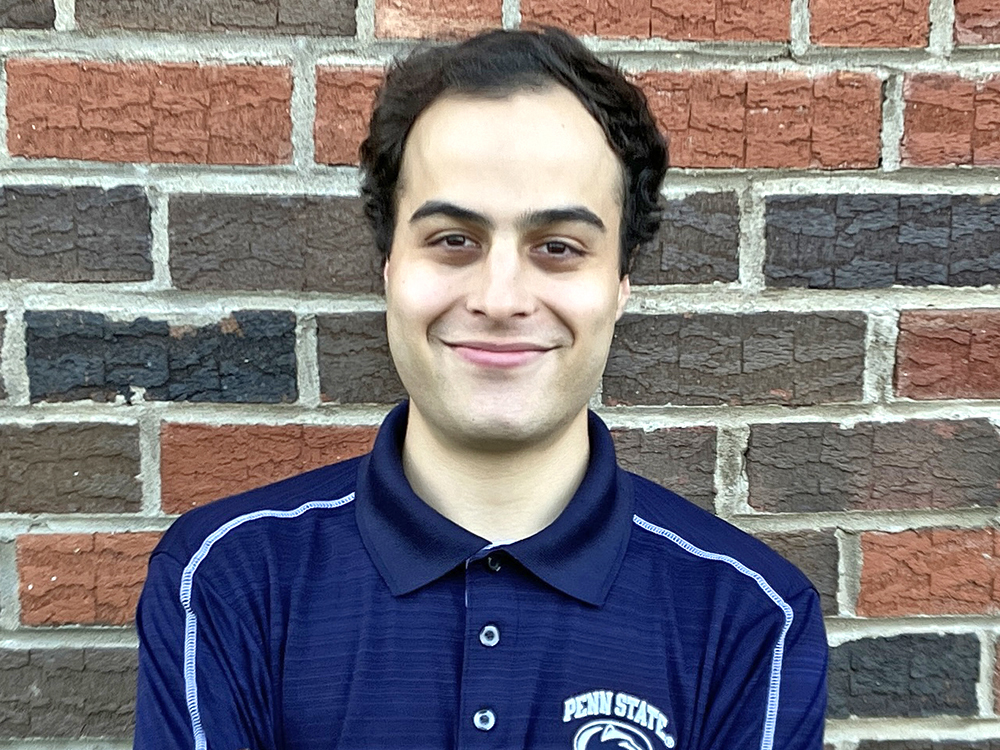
[559, 249]
[454, 240]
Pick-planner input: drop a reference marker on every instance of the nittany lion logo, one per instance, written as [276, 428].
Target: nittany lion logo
[610, 733]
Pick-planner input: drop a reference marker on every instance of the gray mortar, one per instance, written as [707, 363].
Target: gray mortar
[937, 728]
[987, 666]
[800, 41]
[149, 460]
[880, 357]
[942, 16]
[303, 110]
[10, 600]
[848, 572]
[892, 123]
[731, 488]
[307, 359]
[753, 243]
[65, 745]
[510, 14]
[65, 15]
[364, 17]
[159, 225]
[12, 356]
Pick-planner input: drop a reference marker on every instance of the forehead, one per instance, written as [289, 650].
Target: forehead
[530, 149]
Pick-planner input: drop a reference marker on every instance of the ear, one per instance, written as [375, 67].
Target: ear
[624, 291]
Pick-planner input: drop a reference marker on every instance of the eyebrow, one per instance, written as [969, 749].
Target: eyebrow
[530, 220]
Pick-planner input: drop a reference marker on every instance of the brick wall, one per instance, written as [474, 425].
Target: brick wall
[189, 306]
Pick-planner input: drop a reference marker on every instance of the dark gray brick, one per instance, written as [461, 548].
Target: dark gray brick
[300, 243]
[858, 241]
[697, 243]
[682, 460]
[783, 358]
[354, 362]
[64, 693]
[69, 468]
[75, 234]
[316, 17]
[27, 14]
[906, 675]
[815, 554]
[815, 467]
[247, 358]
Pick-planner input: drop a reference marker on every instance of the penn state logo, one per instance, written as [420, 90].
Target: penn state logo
[610, 733]
[618, 720]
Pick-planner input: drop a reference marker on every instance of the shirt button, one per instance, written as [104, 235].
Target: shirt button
[493, 562]
[489, 636]
[484, 719]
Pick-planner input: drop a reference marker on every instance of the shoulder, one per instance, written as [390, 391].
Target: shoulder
[298, 501]
[669, 525]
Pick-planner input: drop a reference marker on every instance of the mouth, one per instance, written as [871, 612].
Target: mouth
[505, 354]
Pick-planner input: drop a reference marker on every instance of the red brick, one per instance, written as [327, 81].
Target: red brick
[950, 120]
[146, 112]
[977, 22]
[199, 463]
[82, 579]
[734, 119]
[344, 101]
[441, 19]
[929, 572]
[948, 354]
[870, 23]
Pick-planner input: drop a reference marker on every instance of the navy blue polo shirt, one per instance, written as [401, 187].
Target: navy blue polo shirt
[336, 609]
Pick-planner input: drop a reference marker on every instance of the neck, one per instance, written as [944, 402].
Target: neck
[500, 495]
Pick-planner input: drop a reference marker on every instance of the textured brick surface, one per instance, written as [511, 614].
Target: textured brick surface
[136, 112]
[977, 22]
[859, 241]
[445, 19]
[929, 571]
[722, 20]
[811, 468]
[248, 357]
[298, 243]
[869, 23]
[326, 17]
[74, 234]
[67, 693]
[69, 468]
[718, 118]
[815, 554]
[344, 101]
[27, 14]
[354, 362]
[907, 675]
[781, 358]
[948, 354]
[698, 242]
[199, 463]
[82, 579]
[951, 120]
[682, 460]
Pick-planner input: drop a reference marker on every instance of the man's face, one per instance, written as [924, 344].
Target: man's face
[502, 286]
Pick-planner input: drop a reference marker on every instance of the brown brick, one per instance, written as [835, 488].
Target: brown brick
[69, 468]
[443, 19]
[782, 358]
[948, 354]
[681, 459]
[199, 463]
[27, 14]
[316, 17]
[815, 553]
[82, 579]
[144, 112]
[870, 23]
[67, 693]
[929, 572]
[977, 22]
[764, 119]
[75, 234]
[951, 120]
[344, 101]
[297, 243]
[818, 467]
[354, 362]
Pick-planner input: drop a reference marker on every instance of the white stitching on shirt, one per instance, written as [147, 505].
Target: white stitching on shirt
[771, 713]
[191, 620]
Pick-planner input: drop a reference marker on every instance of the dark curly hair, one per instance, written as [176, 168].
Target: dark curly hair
[495, 64]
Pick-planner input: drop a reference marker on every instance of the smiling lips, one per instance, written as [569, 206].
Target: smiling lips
[497, 354]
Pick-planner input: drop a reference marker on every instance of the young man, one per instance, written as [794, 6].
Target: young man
[486, 576]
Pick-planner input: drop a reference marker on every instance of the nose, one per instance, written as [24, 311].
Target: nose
[501, 287]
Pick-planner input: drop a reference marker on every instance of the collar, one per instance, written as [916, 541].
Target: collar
[411, 544]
